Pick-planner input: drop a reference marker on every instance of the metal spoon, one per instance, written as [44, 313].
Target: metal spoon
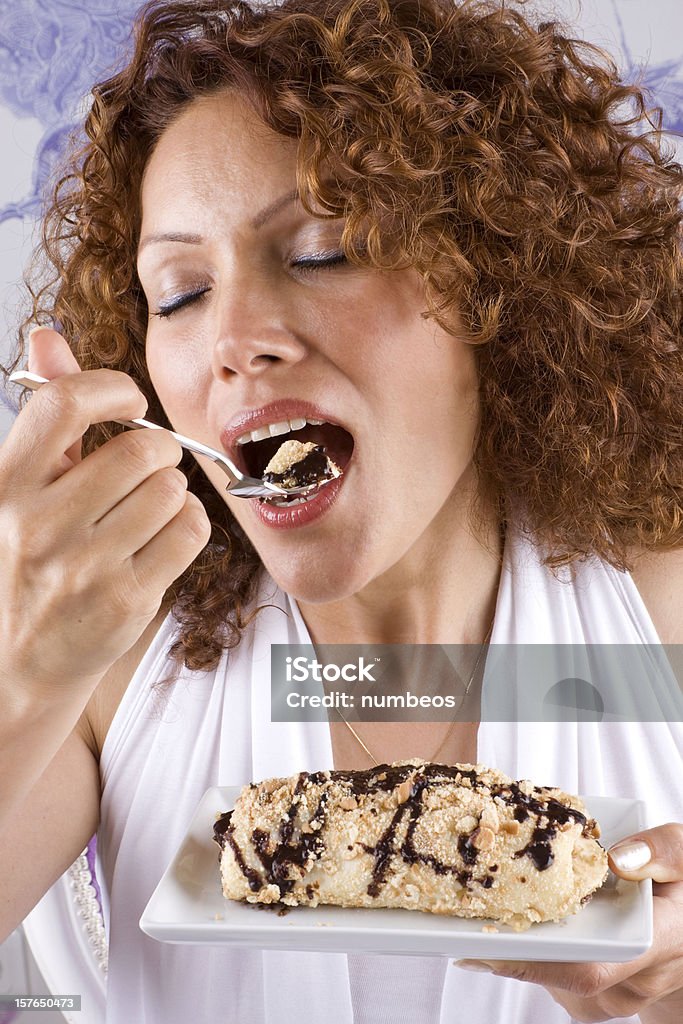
[240, 485]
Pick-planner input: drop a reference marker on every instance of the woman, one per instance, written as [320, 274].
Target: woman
[268, 205]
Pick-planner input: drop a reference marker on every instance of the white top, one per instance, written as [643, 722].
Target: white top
[166, 746]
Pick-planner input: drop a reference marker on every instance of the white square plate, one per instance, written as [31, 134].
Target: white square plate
[188, 906]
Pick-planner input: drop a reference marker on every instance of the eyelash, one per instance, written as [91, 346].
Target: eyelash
[171, 307]
[319, 261]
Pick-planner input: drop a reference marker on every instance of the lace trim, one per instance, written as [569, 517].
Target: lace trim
[88, 907]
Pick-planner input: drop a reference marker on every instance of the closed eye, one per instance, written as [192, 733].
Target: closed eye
[179, 301]
[320, 261]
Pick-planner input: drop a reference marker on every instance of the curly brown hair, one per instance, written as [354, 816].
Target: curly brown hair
[503, 160]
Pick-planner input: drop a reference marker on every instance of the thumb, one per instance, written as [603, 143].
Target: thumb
[49, 356]
[656, 853]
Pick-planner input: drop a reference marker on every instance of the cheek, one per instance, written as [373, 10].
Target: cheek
[444, 403]
[436, 385]
[178, 383]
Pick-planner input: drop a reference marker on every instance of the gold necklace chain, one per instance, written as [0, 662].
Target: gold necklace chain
[455, 713]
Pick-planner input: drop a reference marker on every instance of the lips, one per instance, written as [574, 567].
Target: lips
[253, 456]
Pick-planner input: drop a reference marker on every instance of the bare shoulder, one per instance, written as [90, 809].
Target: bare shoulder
[659, 578]
[99, 712]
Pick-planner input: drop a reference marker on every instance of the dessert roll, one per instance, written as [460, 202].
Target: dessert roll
[300, 464]
[461, 839]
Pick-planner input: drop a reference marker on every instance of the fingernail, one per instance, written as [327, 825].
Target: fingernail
[472, 965]
[630, 856]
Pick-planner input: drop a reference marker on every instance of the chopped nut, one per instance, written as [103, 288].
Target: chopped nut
[483, 839]
[467, 824]
[348, 803]
[403, 791]
[489, 818]
[511, 827]
[270, 785]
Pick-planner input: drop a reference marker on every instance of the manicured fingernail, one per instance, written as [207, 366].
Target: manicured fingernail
[630, 856]
[473, 965]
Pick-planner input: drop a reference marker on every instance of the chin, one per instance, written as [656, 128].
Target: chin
[313, 583]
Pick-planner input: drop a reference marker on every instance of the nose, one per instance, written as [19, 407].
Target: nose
[251, 336]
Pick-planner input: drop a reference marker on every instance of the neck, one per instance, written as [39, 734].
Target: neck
[443, 591]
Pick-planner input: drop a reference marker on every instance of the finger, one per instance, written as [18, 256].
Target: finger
[110, 474]
[49, 356]
[142, 514]
[59, 414]
[582, 979]
[169, 553]
[656, 853]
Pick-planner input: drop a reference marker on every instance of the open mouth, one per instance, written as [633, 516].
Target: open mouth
[256, 454]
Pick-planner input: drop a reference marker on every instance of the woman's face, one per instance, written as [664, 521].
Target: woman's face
[256, 320]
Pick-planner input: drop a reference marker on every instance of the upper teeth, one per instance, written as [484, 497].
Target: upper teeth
[273, 429]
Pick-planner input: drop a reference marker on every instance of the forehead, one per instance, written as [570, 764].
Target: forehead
[217, 150]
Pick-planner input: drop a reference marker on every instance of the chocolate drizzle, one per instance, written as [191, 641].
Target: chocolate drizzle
[295, 845]
[385, 848]
[221, 827]
[468, 852]
[539, 848]
[223, 832]
[313, 467]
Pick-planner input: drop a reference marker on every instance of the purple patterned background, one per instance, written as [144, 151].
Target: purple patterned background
[51, 53]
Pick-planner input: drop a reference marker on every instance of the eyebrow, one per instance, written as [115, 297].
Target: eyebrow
[169, 236]
[269, 212]
[257, 222]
